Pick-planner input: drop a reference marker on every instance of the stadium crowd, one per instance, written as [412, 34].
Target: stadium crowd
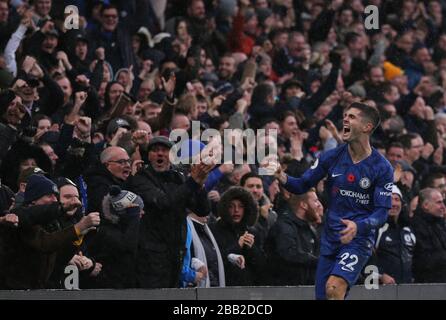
[85, 116]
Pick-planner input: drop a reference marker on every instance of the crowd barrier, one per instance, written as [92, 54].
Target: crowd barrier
[389, 292]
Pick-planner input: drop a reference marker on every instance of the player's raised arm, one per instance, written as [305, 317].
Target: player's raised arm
[309, 179]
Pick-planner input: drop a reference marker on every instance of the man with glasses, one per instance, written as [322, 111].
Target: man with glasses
[114, 169]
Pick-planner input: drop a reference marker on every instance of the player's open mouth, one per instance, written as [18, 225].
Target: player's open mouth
[160, 161]
[346, 130]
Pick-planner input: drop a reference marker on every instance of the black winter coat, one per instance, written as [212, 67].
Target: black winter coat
[167, 196]
[227, 234]
[429, 261]
[293, 250]
[99, 180]
[114, 246]
[394, 251]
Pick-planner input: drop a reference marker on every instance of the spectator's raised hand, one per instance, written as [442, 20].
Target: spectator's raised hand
[36, 71]
[324, 134]
[249, 240]
[47, 26]
[28, 63]
[83, 127]
[140, 137]
[97, 269]
[83, 80]
[10, 219]
[199, 172]
[79, 98]
[169, 84]
[214, 196]
[334, 131]
[137, 165]
[88, 223]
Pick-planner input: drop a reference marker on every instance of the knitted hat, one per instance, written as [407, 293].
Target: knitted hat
[39, 186]
[121, 200]
[391, 71]
[397, 190]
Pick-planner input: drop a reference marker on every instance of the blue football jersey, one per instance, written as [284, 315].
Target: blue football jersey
[359, 192]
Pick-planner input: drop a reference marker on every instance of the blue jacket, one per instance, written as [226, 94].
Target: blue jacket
[187, 273]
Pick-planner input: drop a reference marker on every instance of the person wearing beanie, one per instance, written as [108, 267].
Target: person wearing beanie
[87, 266]
[36, 246]
[115, 244]
[391, 71]
[40, 188]
[395, 244]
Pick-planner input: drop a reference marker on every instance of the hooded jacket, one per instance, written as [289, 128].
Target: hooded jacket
[228, 233]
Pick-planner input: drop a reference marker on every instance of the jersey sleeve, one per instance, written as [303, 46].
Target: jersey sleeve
[311, 177]
[382, 200]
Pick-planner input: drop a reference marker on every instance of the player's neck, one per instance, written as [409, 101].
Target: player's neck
[359, 150]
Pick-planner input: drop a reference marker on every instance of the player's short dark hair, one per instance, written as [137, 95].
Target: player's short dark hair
[248, 176]
[367, 112]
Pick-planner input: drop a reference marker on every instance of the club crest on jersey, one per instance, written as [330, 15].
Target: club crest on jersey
[364, 183]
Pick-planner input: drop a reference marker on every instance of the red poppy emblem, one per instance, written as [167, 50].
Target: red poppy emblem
[351, 178]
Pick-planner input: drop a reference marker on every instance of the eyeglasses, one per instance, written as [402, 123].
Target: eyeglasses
[122, 161]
